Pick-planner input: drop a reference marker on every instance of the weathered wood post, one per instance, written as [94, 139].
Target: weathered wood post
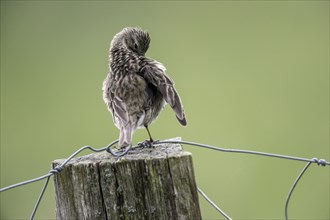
[157, 183]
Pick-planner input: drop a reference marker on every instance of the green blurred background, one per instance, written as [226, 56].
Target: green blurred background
[252, 75]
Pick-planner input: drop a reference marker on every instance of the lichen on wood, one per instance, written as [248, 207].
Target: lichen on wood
[147, 183]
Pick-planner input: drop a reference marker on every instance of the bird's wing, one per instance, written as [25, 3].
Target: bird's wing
[154, 72]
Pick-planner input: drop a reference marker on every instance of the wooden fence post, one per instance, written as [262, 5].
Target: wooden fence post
[156, 183]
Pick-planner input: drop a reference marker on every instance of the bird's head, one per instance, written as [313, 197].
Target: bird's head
[134, 39]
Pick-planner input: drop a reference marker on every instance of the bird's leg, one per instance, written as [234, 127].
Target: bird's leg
[147, 143]
[150, 138]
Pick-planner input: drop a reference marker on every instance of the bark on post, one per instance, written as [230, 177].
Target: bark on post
[157, 183]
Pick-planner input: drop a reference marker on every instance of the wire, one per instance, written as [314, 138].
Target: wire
[321, 162]
[213, 204]
[60, 167]
[293, 187]
[56, 170]
[39, 199]
[123, 152]
[25, 182]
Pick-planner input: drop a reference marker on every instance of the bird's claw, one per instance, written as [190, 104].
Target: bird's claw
[147, 144]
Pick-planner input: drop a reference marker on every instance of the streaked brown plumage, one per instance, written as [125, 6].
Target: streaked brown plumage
[136, 88]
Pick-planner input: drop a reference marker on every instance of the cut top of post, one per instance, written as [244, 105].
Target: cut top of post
[136, 153]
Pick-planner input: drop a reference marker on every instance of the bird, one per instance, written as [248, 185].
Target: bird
[137, 88]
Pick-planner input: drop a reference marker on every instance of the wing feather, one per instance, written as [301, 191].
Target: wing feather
[154, 72]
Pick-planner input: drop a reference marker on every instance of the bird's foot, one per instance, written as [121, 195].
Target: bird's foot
[122, 148]
[147, 144]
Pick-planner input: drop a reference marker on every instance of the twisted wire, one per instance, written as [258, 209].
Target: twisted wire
[320, 163]
[122, 152]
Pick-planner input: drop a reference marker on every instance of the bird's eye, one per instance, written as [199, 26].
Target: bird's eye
[135, 46]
